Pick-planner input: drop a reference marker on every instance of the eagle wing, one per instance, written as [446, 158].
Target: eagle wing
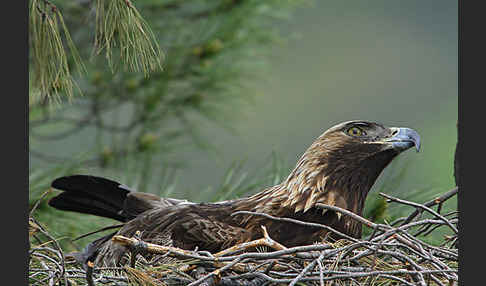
[187, 226]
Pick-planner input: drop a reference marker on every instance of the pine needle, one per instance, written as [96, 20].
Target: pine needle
[119, 24]
[52, 74]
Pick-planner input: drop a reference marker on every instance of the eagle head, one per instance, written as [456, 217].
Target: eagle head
[341, 165]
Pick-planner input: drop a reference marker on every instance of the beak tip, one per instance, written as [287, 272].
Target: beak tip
[405, 135]
[417, 145]
[416, 140]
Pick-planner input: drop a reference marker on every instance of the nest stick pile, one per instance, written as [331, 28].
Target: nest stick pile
[393, 254]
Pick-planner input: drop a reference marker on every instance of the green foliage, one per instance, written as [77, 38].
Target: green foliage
[213, 48]
[377, 210]
[237, 183]
[49, 58]
[123, 26]
[129, 126]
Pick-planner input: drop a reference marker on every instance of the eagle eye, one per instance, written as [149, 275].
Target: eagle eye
[355, 131]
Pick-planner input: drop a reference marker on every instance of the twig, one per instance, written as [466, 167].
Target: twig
[216, 272]
[431, 203]
[421, 207]
[265, 241]
[310, 266]
[310, 224]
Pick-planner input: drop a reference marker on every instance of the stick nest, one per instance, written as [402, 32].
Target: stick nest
[395, 253]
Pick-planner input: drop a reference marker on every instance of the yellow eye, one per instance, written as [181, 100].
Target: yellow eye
[355, 131]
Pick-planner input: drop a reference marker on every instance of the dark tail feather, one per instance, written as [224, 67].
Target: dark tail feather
[90, 195]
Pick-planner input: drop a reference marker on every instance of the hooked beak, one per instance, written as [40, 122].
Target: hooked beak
[403, 139]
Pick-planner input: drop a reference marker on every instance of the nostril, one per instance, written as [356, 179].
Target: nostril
[394, 132]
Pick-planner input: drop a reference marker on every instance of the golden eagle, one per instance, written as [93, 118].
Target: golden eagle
[338, 169]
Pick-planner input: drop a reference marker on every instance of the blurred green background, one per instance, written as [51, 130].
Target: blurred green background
[394, 62]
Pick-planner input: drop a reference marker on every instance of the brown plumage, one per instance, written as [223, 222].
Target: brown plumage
[338, 169]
